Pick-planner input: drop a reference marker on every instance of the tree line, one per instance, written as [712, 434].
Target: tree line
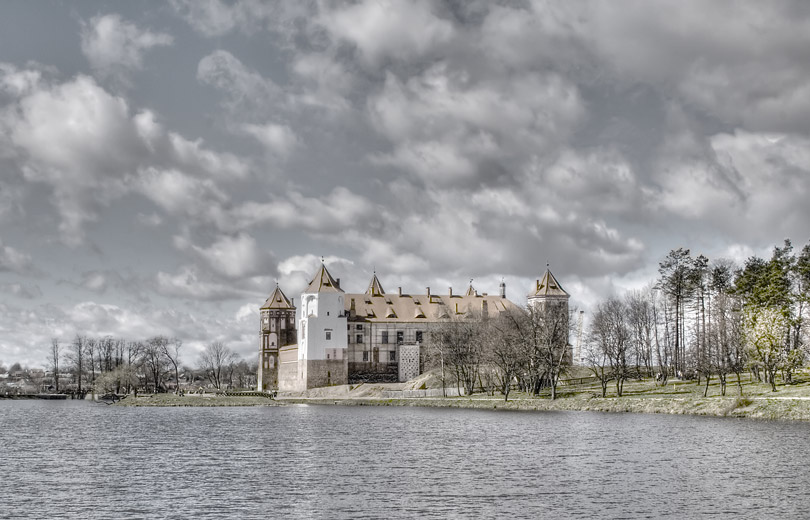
[706, 320]
[523, 347]
[114, 365]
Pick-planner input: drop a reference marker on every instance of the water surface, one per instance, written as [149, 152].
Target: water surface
[85, 460]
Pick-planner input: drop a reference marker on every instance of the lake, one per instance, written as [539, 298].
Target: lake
[86, 460]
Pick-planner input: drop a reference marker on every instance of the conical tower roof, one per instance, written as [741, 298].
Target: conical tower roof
[278, 300]
[548, 286]
[323, 282]
[375, 287]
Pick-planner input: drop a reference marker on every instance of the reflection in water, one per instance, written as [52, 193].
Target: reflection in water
[76, 459]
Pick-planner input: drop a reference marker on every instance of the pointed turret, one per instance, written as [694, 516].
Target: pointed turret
[323, 282]
[548, 286]
[278, 300]
[375, 287]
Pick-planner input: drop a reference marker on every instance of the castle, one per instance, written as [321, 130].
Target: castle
[340, 338]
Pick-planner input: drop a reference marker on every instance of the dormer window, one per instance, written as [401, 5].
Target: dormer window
[328, 335]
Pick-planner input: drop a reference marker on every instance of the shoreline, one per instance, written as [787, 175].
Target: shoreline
[791, 408]
[775, 408]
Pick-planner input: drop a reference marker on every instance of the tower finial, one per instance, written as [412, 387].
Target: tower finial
[321, 259]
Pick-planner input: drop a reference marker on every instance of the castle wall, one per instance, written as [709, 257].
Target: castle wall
[268, 371]
[288, 380]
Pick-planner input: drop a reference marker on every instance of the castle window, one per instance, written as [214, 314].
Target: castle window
[328, 334]
[359, 326]
[365, 356]
[392, 356]
[419, 336]
[358, 338]
[400, 337]
[327, 313]
[384, 339]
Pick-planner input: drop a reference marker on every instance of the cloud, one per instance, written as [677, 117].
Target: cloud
[448, 128]
[387, 29]
[321, 216]
[152, 220]
[193, 284]
[216, 18]
[83, 142]
[244, 87]
[232, 256]
[12, 260]
[115, 47]
[277, 139]
[17, 82]
[20, 290]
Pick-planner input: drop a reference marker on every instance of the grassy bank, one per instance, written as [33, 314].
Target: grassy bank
[760, 408]
[750, 399]
[195, 400]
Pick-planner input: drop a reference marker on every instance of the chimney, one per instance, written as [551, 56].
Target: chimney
[399, 290]
[503, 289]
[428, 293]
[451, 291]
[338, 283]
[352, 309]
[484, 309]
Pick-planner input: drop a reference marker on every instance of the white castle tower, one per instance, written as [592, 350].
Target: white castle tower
[322, 357]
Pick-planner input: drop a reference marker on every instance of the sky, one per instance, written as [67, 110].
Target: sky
[164, 164]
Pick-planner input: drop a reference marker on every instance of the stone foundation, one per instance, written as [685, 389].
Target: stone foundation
[325, 372]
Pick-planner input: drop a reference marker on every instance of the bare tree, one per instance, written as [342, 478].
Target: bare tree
[506, 349]
[171, 351]
[548, 330]
[90, 350]
[53, 360]
[214, 360]
[77, 357]
[154, 361]
[458, 344]
[612, 336]
[641, 320]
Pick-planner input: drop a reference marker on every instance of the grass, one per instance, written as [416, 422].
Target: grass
[790, 402]
[195, 400]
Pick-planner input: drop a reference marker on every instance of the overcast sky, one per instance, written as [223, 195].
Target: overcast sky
[163, 164]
